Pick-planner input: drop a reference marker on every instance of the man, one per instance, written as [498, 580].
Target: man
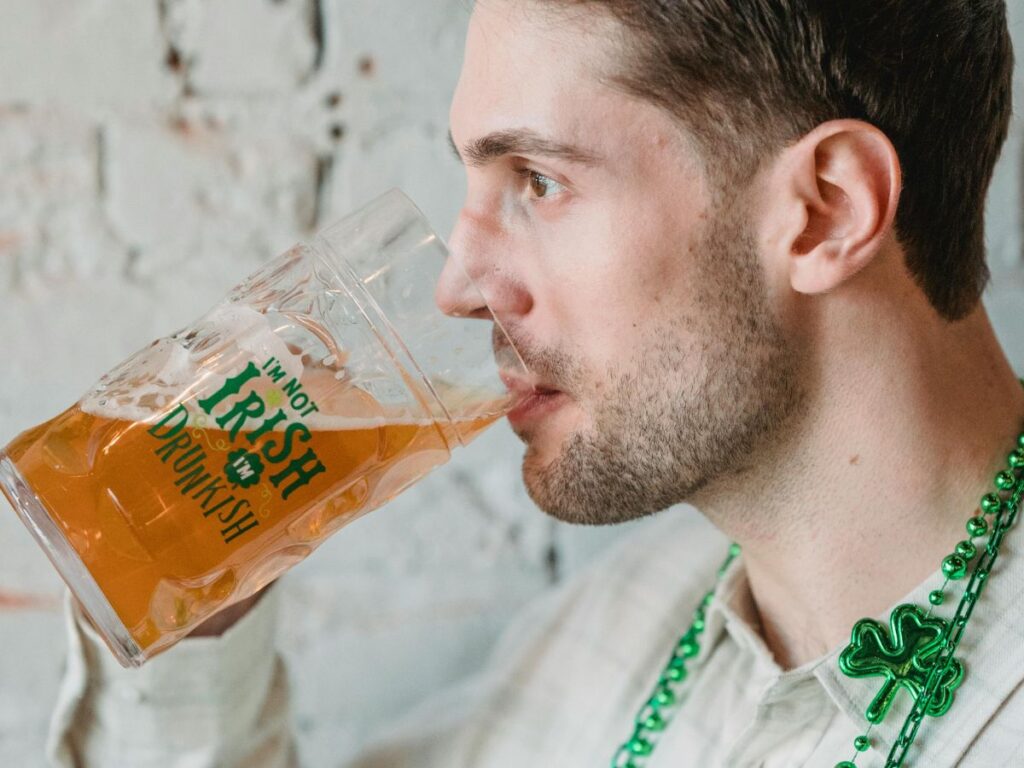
[740, 247]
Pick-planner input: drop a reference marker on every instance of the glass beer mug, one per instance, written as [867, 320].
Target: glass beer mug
[206, 464]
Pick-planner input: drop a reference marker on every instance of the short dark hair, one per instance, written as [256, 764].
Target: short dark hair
[747, 77]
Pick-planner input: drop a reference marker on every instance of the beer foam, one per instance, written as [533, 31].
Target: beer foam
[186, 363]
[344, 406]
[194, 362]
[349, 407]
[329, 423]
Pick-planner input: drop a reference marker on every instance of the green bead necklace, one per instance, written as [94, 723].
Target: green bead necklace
[915, 653]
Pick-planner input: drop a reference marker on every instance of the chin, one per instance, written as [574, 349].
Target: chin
[546, 439]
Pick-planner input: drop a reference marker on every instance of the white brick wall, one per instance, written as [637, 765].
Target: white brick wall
[151, 153]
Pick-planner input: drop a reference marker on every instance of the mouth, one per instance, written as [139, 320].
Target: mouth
[535, 399]
[523, 388]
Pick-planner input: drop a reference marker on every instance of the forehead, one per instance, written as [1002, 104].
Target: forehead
[515, 38]
[529, 66]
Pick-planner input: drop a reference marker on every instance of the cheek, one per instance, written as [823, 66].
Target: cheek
[617, 284]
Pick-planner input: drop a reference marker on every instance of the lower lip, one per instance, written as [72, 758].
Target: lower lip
[534, 407]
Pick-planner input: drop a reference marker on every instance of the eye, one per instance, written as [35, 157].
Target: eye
[540, 185]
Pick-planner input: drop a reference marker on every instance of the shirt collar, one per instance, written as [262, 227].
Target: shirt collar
[733, 612]
[991, 650]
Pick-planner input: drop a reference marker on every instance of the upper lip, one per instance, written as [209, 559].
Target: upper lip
[520, 386]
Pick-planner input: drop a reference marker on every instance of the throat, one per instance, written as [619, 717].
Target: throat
[804, 601]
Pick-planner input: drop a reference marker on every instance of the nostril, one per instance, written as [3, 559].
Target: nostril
[455, 295]
[475, 283]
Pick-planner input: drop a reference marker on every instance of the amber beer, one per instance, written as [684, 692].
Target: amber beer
[213, 459]
[177, 516]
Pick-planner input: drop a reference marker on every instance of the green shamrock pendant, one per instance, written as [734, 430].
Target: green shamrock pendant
[905, 658]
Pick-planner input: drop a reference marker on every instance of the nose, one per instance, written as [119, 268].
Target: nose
[455, 294]
[478, 279]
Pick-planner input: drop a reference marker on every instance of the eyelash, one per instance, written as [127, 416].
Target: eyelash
[529, 174]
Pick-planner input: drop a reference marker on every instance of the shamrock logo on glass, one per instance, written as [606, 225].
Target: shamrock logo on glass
[243, 468]
[905, 657]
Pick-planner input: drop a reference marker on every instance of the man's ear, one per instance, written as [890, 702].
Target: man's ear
[832, 202]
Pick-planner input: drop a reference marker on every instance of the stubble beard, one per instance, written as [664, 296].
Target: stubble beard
[679, 419]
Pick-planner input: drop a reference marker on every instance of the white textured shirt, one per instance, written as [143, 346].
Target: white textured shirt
[566, 680]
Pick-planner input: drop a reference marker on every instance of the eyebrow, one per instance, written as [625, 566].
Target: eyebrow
[520, 141]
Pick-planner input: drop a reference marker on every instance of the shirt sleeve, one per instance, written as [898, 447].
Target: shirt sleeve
[224, 702]
[209, 702]
[472, 723]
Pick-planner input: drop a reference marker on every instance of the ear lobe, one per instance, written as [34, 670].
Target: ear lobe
[845, 179]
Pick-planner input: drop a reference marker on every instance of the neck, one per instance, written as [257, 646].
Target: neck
[860, 502]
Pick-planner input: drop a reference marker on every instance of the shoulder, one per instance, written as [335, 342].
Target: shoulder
[669, 560]
[575, 659]
[651, 578]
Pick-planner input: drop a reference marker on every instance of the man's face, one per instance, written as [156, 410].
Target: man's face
[626, 282]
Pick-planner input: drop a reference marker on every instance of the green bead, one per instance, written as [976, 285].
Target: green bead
[1016, 459]
[977, 526]
[861, 743]
[688, 649]
[674, 674]
[688, 644]
[639, 746]
[845, 764]
[1020, 440]
[1005, 480]
[990, 503]
[654, 722]
[954, 567]
[663, 697]
[734, 548]
[676, 669]
[698, 624]
[966, 550]
[936, 596]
